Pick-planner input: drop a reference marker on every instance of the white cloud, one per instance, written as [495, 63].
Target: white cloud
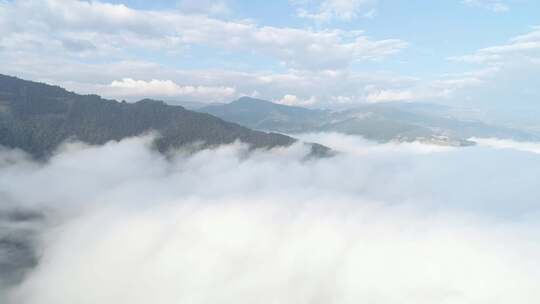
[113, 30]
[318, 60]
[344, 10]
[339, 88]
[328, 87]
[128, 87]
[514, 47]
[359, 146]
[476, 58]
[293, 100]
[533, 147]
[506, 93]
[340, 99]
[386, 224]
[389, 95]
[443, 87]
[85, 46]
[532, 36]
[497, 6]
[207, 7]
[522, 46]
[457, 83]
[372, 13]
[512, 71]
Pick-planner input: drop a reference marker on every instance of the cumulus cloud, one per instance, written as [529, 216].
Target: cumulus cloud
[391, 223]
[293, 100]
[167, 88]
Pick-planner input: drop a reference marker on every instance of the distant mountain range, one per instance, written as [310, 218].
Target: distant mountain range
[37, 117]
[191, 105]
[265, 115]
[380, 122]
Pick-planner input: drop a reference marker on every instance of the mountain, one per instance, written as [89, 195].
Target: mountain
[265, 115]
[426, 122]
[37, 117]
[381, 122]
[190, 105]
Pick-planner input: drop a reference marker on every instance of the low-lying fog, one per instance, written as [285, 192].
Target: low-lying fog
[390, 223]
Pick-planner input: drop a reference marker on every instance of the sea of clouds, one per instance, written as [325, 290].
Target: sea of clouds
[377, 223]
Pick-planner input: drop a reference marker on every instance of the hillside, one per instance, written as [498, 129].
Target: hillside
[264, 115]
[379, 122]
[37, 117]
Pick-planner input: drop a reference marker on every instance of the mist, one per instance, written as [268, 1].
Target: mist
[377, 223]
[533, 147]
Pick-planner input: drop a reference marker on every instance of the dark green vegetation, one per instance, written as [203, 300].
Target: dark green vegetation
[381, 122]
[36, 118]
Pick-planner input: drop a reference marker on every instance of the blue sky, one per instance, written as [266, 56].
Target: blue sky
[481, 54]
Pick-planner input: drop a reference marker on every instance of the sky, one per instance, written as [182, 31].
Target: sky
[480, 54]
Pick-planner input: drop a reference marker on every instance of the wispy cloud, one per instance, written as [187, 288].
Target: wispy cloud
[329, 10]
[532, 147]
[205, 7]
[497, 6]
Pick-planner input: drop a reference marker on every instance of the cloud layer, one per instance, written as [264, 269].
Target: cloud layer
[168, 89]
[97, 29]
[383, 223]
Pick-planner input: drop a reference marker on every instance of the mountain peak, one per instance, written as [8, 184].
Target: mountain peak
[247, 99]
[148, 101]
